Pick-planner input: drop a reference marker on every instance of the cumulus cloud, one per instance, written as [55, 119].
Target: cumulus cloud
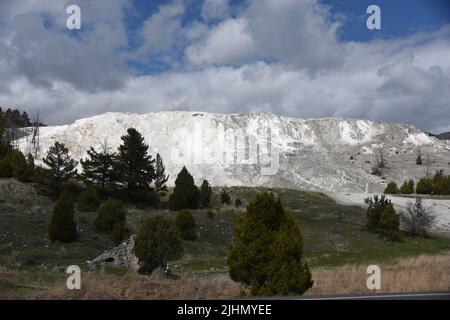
[213, 10]
[226, 43]
[296, 33]
[37, 46]
[278, 56]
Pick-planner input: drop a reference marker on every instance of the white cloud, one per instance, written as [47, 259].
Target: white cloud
[37, 46]
[279, 56]
[296, 33]
[162, 30]
[213, 10]
[226, 43]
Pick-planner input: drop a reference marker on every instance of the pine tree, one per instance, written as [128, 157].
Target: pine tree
[99, 168]
[135, 165]
[390, 223]
[3, 139]
[424, 186]
[61, 166]
[160, 177]
[407, 187]
[391, 188]
[238, 203]
[374, 211]
[268, 251]
[157, 243]
[185, 194]
[205, 194]
[62, 226]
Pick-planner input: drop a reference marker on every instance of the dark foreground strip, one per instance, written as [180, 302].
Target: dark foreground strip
[224, 309]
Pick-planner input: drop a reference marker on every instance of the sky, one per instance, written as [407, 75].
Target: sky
[297, 58]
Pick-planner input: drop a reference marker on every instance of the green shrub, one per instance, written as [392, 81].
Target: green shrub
[185, 224]
[225, 197]
[205, 194]
[267, 253]
[109, 214]
[62, 226]
[390, 223]
[424, 186]
[118, 233]
[238, 203]
[157, 243]
[6, 170]
[391, 188]
[407, 187]
[14, 164]
[375, 208]
[376, 171]
[88, 200]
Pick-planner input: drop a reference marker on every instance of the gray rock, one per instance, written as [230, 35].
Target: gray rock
[121, 256]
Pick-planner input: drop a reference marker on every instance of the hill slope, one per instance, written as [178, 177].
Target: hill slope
[262, 149]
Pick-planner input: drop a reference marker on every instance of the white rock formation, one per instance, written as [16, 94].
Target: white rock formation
[261, 149]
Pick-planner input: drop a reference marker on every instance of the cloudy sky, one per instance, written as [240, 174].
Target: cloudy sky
[304, 58]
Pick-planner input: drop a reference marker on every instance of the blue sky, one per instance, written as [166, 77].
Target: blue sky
[299, 58]
[400, 18]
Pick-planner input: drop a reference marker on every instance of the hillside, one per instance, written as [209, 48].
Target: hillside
[261, 149]
[333, 236]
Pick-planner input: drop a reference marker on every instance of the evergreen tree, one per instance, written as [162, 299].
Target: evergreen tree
[419, 160]
[205, 194]
[407, 187]
[62, 226]
[424, 186]
[156, 244]
[4, 143]
[185, 194]
[61, 166]
[238, 203]
[441, 183]
[374, 211]
[390, 223]
[160, 177]
[267, 253]
[135, 164]
[14, 164]
[110, 214]
[225, 197]
[391, 188]
[185, 224]
[99, 168]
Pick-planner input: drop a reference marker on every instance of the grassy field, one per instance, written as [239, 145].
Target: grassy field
[333, 237]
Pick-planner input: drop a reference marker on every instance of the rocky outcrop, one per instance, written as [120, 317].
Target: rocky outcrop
[121, 256]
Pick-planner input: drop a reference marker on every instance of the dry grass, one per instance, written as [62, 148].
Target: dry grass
[132, 286]
[423, 273]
